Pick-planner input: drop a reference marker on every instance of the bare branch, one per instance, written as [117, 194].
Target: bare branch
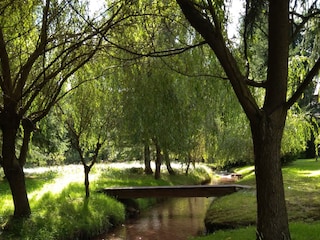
[305, 19]
[6, 84]
[164, 53]
[217, 42]
[192, 75]
[22, 76]
[307, 80]
[256, 84]
[37, 116]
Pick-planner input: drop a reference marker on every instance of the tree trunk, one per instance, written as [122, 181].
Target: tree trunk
[266, 123]
[28, 128]
[168, 164]
[12, 169]
[267, 130]
[157, 173]
[86, 180]
[147, 160]
[272, 219]
[188, 163]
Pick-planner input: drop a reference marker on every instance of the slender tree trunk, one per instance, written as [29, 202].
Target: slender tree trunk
[147, 160]
[157, 173]
[12, 168]
[272, 219]
[188, 163]
[28, 128]
[86, 180]
[168, 163]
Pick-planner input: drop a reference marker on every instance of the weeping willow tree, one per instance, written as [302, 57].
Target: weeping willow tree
[90, 113]
[267, 118]
[42, 44]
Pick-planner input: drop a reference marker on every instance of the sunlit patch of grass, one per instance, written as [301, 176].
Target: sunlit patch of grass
[59, 209]
[301, 183]
[6, 209]
[247, 233]
[127, 177]
[58, 178]
[312, 173]
[235, 210]
[68, 215]
[245, 171]
[299, 231]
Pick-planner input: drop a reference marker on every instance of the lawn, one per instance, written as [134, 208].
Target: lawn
[59, 208]
[301, 182]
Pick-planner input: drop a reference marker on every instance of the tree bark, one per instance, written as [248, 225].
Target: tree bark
[272, 220]
[28, 128]
[86, 180]
[147, 160]
[267, 123]
[189, 159]
[11, 166]
[157, 173]
[168, 163]
[267, 130]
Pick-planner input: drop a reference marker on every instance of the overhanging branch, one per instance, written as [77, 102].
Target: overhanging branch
[164, 53]
[308, 79]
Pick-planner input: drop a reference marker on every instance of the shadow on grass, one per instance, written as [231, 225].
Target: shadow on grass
[136, 177]
[67, 215]
[36, 181]
[301, 183]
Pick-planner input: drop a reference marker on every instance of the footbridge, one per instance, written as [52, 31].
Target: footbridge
[173, 191]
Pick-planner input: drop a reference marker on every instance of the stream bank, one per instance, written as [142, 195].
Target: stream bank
[176, 218]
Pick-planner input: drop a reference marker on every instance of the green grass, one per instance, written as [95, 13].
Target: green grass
[60, 210]
[301, 182]
[299, 231]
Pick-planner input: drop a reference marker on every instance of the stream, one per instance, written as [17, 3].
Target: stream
[177, 218]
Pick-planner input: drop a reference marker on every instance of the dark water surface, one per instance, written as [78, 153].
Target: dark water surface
[174, 219]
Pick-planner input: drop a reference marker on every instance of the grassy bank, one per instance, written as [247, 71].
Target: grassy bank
[59, 209]
[301, 182]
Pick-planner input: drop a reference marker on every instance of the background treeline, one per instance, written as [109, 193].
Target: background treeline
[138, 102]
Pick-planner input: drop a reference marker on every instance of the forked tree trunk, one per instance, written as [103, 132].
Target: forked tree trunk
[12, 169]
[272, 220]
[147, 160]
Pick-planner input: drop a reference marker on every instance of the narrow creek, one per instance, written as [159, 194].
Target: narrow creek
[177, 218]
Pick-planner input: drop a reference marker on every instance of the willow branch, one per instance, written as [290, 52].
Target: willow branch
[308, 79]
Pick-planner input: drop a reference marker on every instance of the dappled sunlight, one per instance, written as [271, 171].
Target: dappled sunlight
[311, 173]
[245, 170]
[305, 164]
[307, 168]
[139, 164]
[66, 175]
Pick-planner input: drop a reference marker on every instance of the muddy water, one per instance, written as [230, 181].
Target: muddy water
[175, 219]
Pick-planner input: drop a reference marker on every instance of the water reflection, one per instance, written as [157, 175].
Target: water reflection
[174, 219]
